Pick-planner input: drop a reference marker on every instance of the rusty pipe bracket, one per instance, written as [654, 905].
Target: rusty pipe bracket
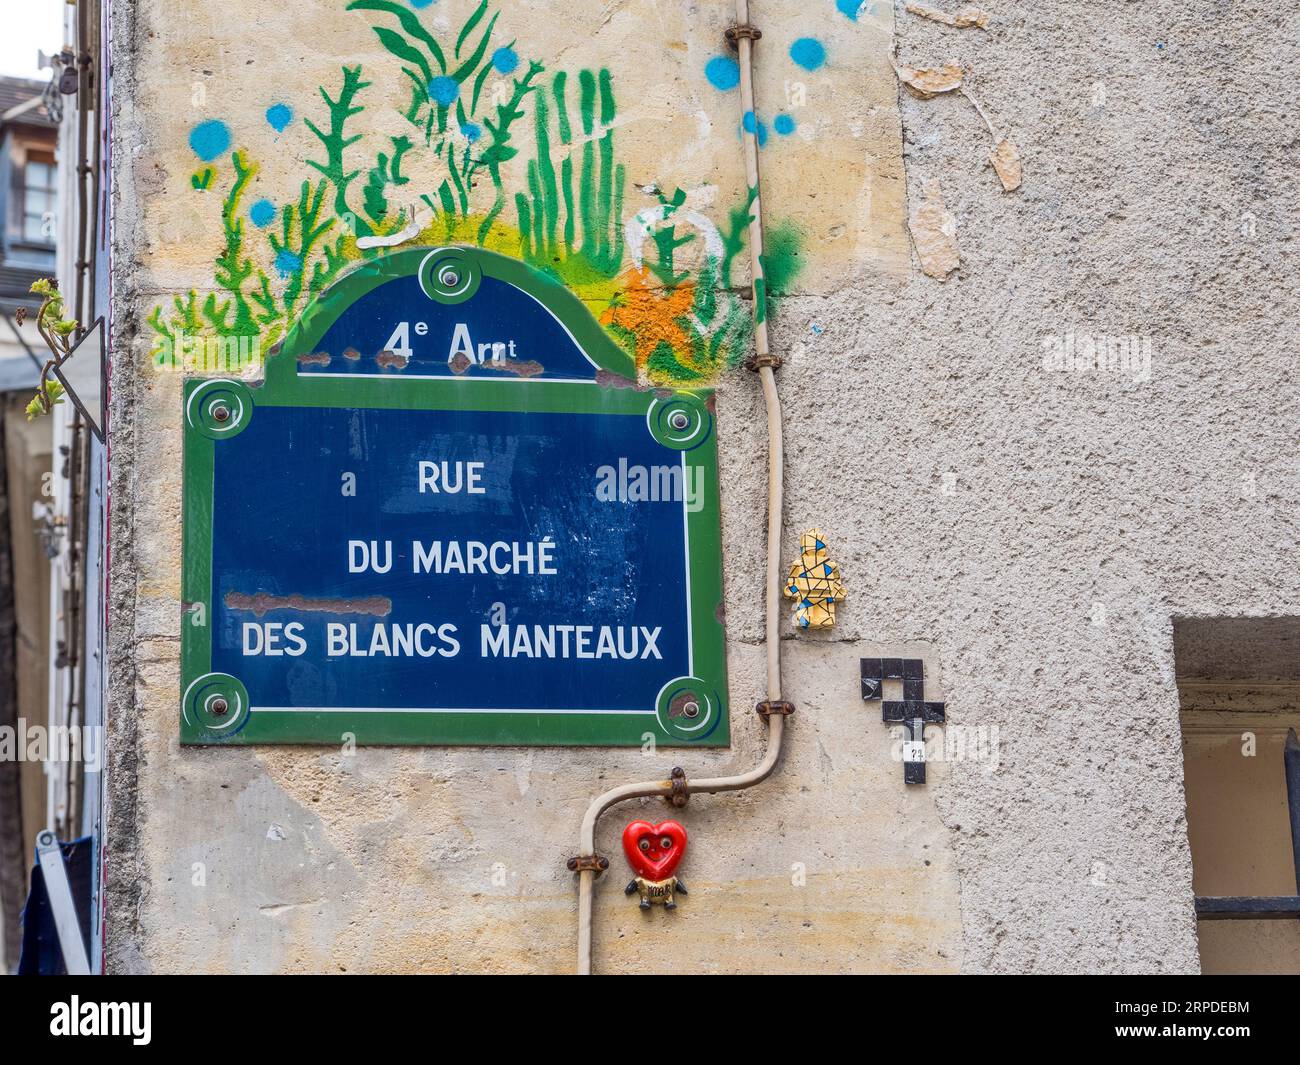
[742, 29]
[767, 708]
[584, 863]
[757, 362]
[681, 794]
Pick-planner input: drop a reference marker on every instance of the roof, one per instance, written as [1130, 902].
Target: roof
[15, 91]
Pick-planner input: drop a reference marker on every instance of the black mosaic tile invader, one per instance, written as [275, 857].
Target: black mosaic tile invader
[912, 711]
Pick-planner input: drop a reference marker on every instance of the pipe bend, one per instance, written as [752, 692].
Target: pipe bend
[710, 785]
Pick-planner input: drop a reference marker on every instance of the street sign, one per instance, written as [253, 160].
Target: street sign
[449, 515]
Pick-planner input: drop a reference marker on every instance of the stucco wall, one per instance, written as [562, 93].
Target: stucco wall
[1032, 529]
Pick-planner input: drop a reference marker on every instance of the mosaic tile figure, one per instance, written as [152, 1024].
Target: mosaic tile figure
[814, 584]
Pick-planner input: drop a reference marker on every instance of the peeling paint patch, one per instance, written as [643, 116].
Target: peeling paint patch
[391, 360]
[518, 367]
[609, 379]
[934, 232]
[963, 18]
[1006, 161]
[928, 82]
[319, 358]
[376, 605]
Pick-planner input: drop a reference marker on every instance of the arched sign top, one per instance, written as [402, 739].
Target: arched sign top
[452, 313]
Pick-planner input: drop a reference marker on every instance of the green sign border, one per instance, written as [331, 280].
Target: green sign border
[285, 387]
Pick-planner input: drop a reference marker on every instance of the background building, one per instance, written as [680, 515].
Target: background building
[53, 177]
[28, 207]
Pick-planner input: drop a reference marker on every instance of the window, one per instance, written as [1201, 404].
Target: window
[36, 201]
[1238, 683]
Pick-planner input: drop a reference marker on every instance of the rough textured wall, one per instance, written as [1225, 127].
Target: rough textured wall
[1034, 523]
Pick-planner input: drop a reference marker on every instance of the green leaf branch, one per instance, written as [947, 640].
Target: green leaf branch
[57, 332]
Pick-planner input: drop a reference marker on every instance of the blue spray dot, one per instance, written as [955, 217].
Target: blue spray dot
[472, 131]
[505, 60]
[751, 124]
[287, 263]
[850, 8]
[210, 139]
[279, 116]
[723, 72]
[262, 213]
[420, 5]
[444, 90]
[808, 53]
[784, 124]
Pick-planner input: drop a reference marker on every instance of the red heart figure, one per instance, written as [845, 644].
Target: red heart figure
[654, 851]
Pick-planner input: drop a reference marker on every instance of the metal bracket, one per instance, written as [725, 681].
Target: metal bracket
[757, 362]
[588, 863]
[680, 796]
[59, 892]
[767, 708]
[742, 29]
[95, 418]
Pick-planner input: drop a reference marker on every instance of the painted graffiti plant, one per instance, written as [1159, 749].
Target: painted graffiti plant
[446, 180]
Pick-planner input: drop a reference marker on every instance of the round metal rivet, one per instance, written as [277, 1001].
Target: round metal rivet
[451, 279]
[219, 707]
[679, 420]
[691, 709]
[221, 412]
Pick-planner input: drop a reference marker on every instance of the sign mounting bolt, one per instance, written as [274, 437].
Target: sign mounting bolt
[219, 707]
[679, 420]
[221, 412]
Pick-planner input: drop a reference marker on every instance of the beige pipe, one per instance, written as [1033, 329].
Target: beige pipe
[775, 467]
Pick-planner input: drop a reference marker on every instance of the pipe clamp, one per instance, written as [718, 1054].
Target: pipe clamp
[681, 793]
[588, 863]
[743, 29]
[768, 707]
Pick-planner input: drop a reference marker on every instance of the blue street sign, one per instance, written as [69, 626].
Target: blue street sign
[450, 515]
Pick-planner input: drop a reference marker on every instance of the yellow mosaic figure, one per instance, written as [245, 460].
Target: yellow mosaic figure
[814, 584]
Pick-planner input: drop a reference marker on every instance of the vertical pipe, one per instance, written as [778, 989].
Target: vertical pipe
[744, 40]
[749, 141]
[586, 884]
[775, 484]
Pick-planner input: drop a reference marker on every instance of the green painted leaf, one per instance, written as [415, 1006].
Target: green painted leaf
[470, 23]
[410, 23]
[466, 68]
[398, 45]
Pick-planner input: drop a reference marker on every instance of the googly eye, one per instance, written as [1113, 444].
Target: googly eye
[666, 843]
[645, 844]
